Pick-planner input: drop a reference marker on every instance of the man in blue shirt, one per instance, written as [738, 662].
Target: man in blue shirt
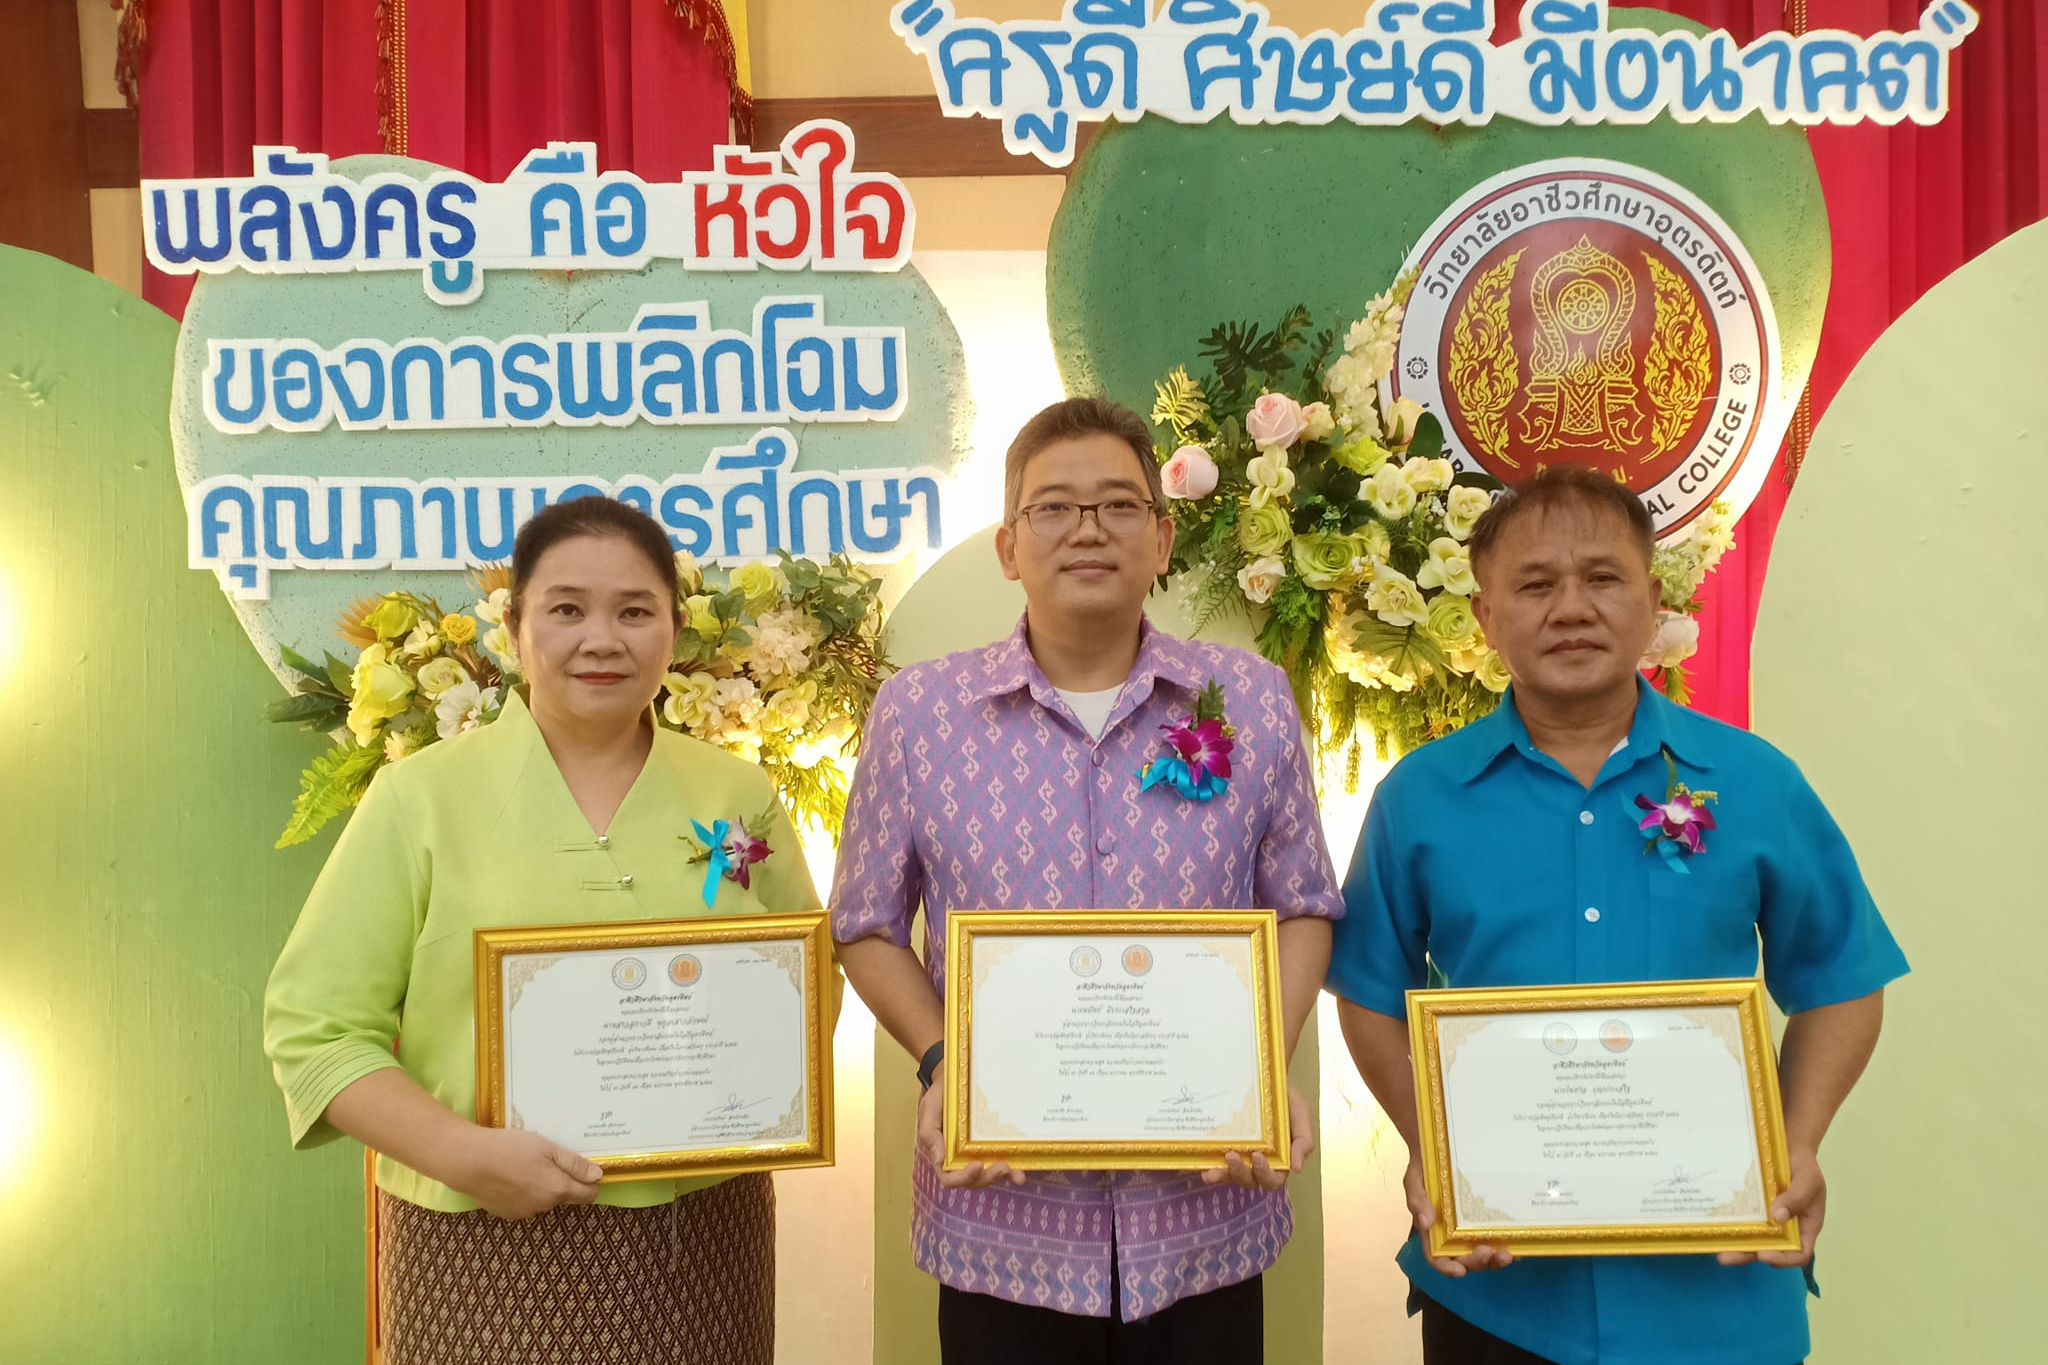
[1508, 854]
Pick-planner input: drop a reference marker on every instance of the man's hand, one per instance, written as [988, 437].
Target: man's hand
[1805, 1198]
[515, 1174]
[1481, 1257]
[1259, 1172]
[931, 1140]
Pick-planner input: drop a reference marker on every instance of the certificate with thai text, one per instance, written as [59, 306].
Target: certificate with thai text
[661, 1048]
[1577, 1120]
[1113, 1039]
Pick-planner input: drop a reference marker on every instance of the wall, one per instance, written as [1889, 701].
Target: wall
[1897, 653]
[151, 1209]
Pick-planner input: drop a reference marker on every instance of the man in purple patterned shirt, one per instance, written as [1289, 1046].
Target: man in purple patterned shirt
[1006, 778]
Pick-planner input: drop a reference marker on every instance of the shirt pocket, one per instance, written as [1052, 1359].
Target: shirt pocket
[1703, 921]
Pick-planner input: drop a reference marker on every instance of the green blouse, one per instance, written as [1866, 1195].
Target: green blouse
[480, 832]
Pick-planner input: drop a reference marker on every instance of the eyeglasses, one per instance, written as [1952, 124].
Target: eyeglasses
[1117, 517]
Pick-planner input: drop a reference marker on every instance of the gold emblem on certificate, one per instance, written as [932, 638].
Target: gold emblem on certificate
[1113, 1039]
[661, 1048]
[1578, 1120]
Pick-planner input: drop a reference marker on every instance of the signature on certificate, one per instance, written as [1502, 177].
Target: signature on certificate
[1680, 1176]
[1187, 1099]
[735, 1105]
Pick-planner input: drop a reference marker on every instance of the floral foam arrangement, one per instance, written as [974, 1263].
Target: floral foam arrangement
[779, 665]
[1303, 493]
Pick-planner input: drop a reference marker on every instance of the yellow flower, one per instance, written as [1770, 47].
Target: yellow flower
[1326, 560]
[762, 583]
[1394, 598]
[492, 608]
[1362, 456]
[701, 618]
[1449, 567]
[789, 708]
[438, 675]
[1462, 509]
[1391, 495]
[688, 703]
[392, 617]
[458, 628]
[689, 574]
[1493, 673]
[1265, 530]
[381, 689]
[1451, 622]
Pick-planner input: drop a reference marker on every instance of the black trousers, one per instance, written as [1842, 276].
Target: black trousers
[1222, 1327]
[1448, 1339]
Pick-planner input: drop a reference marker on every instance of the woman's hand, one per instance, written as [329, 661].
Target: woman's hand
[516, 1174]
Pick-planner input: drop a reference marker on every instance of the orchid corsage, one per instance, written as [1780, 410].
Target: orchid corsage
[1199, 765]
[1675, 824]
[731, 848]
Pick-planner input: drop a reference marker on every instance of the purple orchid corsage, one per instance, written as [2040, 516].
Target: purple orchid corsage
[1199, 765]
[1676, 825]
[730, 848]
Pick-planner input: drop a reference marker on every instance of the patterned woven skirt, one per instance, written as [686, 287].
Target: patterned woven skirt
[690, 1282]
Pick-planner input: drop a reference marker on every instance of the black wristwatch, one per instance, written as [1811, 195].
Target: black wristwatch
[928, 1065]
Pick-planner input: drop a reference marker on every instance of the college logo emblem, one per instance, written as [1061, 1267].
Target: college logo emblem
[1589, 312]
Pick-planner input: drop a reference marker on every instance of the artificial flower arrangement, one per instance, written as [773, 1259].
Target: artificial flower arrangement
[779, 666]
[1302, 492]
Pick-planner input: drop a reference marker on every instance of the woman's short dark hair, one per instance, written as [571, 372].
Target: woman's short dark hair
[1561, 486]
[593, 516]
[1074, 417]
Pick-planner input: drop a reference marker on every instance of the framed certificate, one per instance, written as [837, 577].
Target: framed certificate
[661, 1047]
[1583, 1120]
[1116, 1039]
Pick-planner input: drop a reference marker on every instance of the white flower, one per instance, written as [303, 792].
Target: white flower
[1270, 476]
[781, 647]
[1317, 422]
[399, 743]
[1390, 494]
[492, 608]
[1677, 639]
[790, 708]
[498, 643]
[1361, 666]
[462, 707]
[689, 573]
[1398, 421]
[1352, 388]
[1260, 577]
[1462, 509]
[1374, 337]
[1449, 567]
[423, 640]
[1394, 598]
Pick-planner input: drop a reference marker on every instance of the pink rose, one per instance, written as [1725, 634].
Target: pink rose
[1189, 474]
[1274, 422]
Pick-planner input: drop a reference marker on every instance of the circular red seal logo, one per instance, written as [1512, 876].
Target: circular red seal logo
[1593, 313]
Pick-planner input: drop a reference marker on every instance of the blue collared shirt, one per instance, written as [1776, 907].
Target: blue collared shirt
[1482, 855]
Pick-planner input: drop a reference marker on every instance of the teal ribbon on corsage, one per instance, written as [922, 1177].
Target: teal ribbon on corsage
[715, 850]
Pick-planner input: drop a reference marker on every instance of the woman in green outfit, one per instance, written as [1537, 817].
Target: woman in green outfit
[497, 1245]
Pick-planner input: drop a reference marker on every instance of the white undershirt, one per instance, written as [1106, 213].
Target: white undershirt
[1092, 708]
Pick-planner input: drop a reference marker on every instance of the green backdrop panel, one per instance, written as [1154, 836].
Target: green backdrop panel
[1897, 649]
[160, 1215]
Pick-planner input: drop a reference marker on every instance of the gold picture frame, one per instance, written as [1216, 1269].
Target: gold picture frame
[965, 929]
[1464, 1220]
[808, 933]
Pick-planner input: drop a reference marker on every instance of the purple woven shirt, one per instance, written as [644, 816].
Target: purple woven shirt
[979, 790]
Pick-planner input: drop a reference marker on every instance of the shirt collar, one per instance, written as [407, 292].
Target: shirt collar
[1659, 724]
[1008, 666]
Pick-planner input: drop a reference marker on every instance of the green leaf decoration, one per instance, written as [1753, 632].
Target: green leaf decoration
[307, 708]
[1429, 438]
[335, 781]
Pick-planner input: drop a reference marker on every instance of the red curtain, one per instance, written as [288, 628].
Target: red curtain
[1906, 205]
[214, 78]
[490, 80]
[471, 84]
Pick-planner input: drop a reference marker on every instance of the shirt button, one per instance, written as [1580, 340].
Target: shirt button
[1100, 758]
[627, 880]
[1592, 913]
[604, 841]
[1585, 817]
[1106, 845]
